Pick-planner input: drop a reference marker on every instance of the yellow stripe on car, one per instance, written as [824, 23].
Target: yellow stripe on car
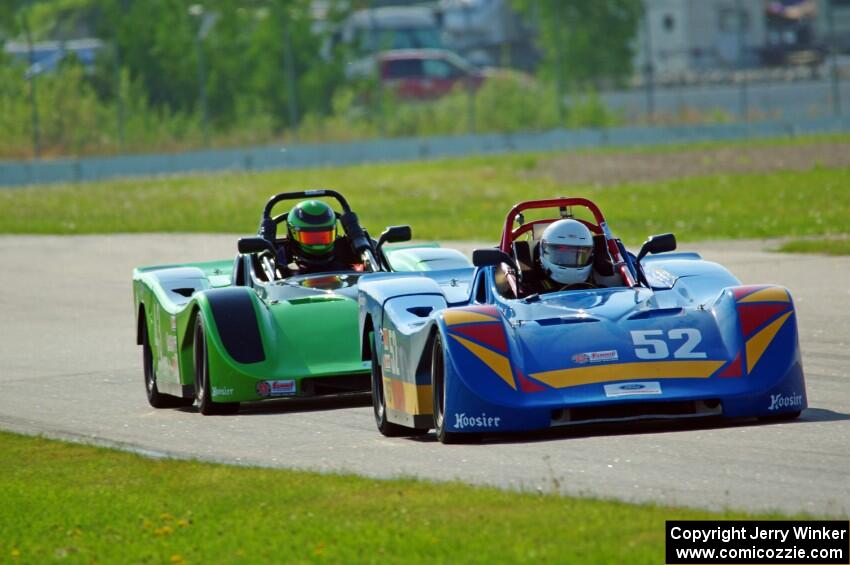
[562, 378]
[415, 399]
[498, 363]
[772, 294]
[757, 345]
[454, 317]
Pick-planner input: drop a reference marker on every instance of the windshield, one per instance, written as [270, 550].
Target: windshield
[371, 40]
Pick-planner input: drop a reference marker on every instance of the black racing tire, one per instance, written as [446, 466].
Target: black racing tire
[379, 401]
[156, 398]
[438, 388]
[784, 417]
[203, 391]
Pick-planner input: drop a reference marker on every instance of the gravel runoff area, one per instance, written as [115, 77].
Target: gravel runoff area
[70, 368]
[646, 166]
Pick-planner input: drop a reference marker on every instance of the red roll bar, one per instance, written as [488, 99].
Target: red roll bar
[509, 234]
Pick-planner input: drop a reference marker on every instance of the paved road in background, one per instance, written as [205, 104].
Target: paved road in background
[69, 368]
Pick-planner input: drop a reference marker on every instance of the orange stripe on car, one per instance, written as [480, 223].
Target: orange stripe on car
[563, 378]
[757, 345]
[408, 397]
[455, 317]
[499, 364]
[769, 294]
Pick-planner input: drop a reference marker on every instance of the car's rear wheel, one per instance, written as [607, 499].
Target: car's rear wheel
[438, 387]
[203, 391]
[379, 401]
[156, 398]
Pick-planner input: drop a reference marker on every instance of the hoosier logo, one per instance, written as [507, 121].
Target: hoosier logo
[777, 401]
[483, 421]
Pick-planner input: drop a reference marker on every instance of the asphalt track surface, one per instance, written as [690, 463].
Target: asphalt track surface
[69, 368]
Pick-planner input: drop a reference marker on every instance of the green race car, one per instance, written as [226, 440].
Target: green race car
[281, 320]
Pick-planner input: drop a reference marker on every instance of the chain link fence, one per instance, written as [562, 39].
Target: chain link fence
[453, 108]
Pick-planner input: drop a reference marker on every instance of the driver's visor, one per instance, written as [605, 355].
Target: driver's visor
[325, 236]
[568, 255]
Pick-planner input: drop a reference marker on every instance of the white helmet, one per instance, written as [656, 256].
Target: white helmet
[566, 251]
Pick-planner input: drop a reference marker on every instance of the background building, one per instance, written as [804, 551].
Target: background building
[700, 35]
[840, 13]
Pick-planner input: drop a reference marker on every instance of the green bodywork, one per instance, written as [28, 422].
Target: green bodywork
[308, 324]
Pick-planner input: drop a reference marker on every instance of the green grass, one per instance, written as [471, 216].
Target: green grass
[458, 199]
[89, 504]
[823, 246]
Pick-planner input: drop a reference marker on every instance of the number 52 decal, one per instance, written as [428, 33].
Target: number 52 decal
[650, 344]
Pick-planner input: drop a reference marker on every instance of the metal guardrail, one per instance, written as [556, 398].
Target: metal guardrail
[385, 150]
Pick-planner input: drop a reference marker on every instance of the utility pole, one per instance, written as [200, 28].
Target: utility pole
[373, 42]
[742, 41]
[32, 71]
[202, 85]
[470, 89]
[648, 70]
[119, 94]
[836, 86]
[559, 76]
[207, 21]
[470, 105]
[292, 98]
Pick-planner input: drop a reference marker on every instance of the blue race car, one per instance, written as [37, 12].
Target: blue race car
[490, 349]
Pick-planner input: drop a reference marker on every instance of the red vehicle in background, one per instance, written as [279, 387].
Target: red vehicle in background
[426, 74]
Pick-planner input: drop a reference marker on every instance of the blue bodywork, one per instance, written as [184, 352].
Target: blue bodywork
[694, 342]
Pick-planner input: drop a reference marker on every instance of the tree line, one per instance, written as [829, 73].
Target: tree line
[263, 64]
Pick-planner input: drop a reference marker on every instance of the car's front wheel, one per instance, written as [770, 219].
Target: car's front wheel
[438, 388]
[203, 391]
[156, 398]
[379, 401]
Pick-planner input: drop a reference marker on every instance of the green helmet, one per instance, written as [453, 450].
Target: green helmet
[312, 228]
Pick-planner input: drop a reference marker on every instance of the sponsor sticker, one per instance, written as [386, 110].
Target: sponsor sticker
[462, 421]
[171, 338]
[270, 389]
[778, 401]
[633, 389]
[222, 391]
[596, 356]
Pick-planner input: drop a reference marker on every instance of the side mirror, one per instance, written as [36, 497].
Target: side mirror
[492, 257]
[255, 245]
[395, 234]
[657, 244]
